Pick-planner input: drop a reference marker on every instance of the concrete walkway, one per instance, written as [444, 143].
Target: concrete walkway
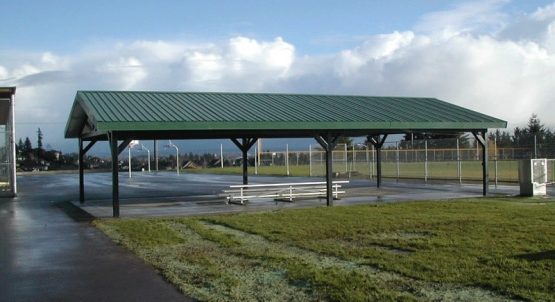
[49, 251]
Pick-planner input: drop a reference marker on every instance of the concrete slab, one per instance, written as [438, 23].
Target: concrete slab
[168, 194]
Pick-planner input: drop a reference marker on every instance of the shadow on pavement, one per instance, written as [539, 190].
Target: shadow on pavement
[74, 212]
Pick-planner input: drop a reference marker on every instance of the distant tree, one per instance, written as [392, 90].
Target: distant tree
[502, 138]
[416, 140]
[40, 150]
[39, 139]
[535, 127]
[19, 147]
[343, 140]
[27, 148]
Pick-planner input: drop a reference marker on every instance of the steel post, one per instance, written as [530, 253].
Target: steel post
[81, 172]
[495, 158]
[535, 147]
[255, 161]
[244, 146]
[287, 158]
[425, 160]
[378, 166]
[115, 169]
[156, 155]
[222, 155]
[245, 162]
[459, 170]
[328, 144]
[481, 139]
[329, 171]
[310, 160]
[397, 158]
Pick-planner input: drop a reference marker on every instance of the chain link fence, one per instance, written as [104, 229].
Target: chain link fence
[444, 159]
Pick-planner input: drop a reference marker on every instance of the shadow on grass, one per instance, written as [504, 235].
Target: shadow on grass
[75, 212]
[546, 255]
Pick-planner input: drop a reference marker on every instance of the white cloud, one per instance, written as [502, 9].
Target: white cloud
[465, 17]
[543, 13]
[460, 56]
[128, 72]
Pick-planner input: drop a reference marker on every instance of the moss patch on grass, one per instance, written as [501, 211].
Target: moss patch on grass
[475, 249]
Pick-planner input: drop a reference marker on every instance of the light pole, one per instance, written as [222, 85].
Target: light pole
[171, 145]
[148, 155]
[129, 160]
[132, 144]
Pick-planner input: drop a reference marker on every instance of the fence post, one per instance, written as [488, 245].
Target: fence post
[309, 160]
[255, 161]
[535, 147]
[373, 161]
[352, 161]
[425, 160]
[287, 158]
[495, 158]
[222, 155]
[459, 170]
[477, 150]
[397, 143]
[368, 162]
[346, 160]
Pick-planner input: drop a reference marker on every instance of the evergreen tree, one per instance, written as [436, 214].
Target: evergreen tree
[19, 147]
[535, 127]
[39, 139]
[343, 140]
[27, 148]
[525, 136]
[416, 140]
[503, 138]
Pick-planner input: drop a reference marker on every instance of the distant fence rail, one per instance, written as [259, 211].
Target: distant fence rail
[446, 159]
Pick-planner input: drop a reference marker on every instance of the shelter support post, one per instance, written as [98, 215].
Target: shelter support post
[377, 141]
[328, 143]
[244, 146]
[115, 150]
[115, 180]
[481, 139]
[81, 172]
[82, 152]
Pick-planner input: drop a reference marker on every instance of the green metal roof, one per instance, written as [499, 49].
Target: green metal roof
[99, 112]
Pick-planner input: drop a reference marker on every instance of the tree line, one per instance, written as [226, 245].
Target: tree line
[534, 132]
[30, 158]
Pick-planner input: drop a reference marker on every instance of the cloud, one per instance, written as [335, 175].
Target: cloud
[473, 55]
[537, 27]
[483, 15]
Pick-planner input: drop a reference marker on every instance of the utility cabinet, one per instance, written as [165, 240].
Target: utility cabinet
[532, 174]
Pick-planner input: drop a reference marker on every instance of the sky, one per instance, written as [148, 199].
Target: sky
[493, 56]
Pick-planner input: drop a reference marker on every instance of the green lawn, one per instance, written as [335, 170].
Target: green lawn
[470, 170]
[480, 249]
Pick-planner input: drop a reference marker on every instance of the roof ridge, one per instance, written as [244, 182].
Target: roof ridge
[252, 93]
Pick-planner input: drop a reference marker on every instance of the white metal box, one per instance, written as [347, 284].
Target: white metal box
[532, 174]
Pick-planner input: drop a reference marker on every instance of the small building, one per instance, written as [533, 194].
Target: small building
[8, 181]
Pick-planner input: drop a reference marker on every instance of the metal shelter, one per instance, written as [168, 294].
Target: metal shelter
[121, 116]
[8, 180]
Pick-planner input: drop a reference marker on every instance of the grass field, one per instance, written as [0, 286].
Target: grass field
[493, 249]
[470, 170]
